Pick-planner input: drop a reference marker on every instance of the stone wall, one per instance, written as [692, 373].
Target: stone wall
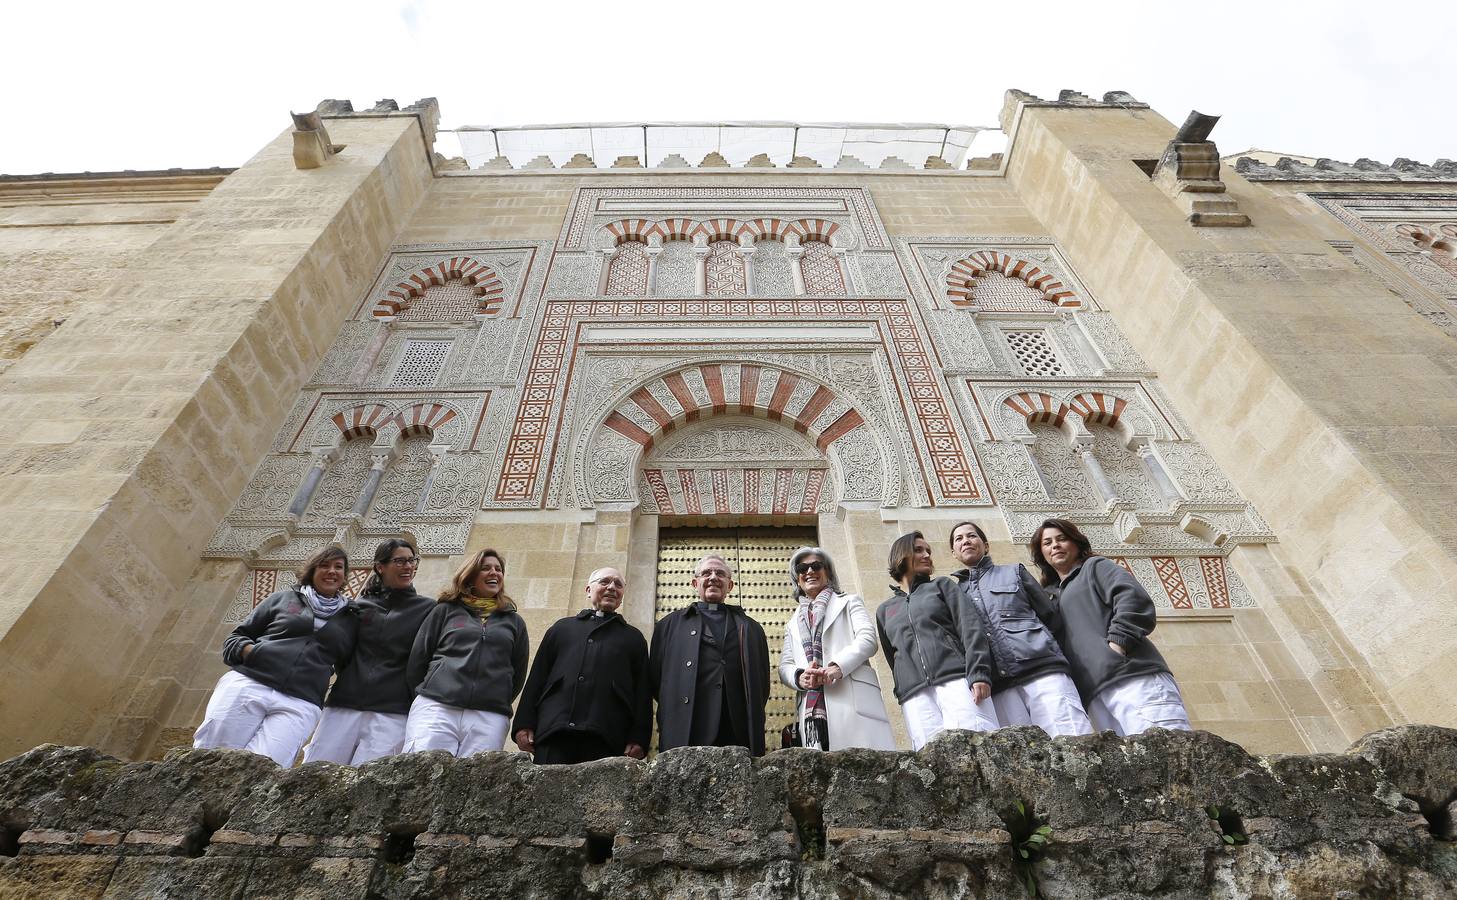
[1297, 371]
[139, 420]
[64, 239]
[1165, 814]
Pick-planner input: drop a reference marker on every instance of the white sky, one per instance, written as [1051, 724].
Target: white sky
[151, 85]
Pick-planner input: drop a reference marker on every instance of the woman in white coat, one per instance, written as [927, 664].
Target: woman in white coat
[828, 643]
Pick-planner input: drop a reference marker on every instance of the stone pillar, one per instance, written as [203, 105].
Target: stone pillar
[795, 251]
[840, 253]
[320, 464]
[439, 453]
[1156, 470]
[1027, 443]
[1101, 484]
[228, 313]
[700, 266]
[371, 484]
[746, 251]
[365, 364]
[655, 250]
[602, 276]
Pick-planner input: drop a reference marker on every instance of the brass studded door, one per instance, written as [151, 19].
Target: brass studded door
[760, 560]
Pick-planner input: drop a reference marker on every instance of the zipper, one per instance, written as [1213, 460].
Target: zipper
[916, 639]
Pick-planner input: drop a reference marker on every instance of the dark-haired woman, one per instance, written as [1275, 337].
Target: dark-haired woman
[364, 717]
[468, 663]
[1030, 681]
[1107, 617]
[282, 657]
[942, 677]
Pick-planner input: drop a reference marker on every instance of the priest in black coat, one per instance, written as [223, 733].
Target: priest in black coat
[588, 696]
[710, 669]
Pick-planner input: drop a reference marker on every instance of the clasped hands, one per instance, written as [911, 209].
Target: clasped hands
[819, 676]
[526, 742]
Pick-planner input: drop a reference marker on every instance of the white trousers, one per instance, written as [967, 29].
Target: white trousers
[1050, 702]
[353, 737]
[1138, 704]
[245, 715]
[463, 732]
[930, 711]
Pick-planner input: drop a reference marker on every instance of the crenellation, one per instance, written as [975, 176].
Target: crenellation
[1399, 170]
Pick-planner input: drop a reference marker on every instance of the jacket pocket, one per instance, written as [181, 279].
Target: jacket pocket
[1028, 639]
[553, 686]
[866, 698]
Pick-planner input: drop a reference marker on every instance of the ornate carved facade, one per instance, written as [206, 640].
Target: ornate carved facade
[574, 366]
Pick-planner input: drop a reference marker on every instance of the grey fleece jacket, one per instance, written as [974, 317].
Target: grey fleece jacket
[288, 655]
[923, 639]
[1100, 602]
[374, 680]
[461, 661]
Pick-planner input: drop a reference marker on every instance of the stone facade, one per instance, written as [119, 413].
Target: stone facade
[1242, 389]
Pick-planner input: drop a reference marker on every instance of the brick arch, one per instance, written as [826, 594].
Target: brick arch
[625, 230]
[719, 230]
[768, 229]
[1035, 407]
[424, 418]
[666, 402]
[814, 230]
[486, 284]
[965, 271]
[676, 229]
[1097, 407]
[1438, 239]
[365, 419]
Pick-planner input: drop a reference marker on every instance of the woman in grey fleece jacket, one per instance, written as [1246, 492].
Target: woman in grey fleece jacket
[364, 717]
[1107, 616]
[282, 657]
[468, 663]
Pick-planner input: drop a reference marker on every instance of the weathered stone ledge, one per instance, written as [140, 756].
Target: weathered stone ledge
[1128, 817]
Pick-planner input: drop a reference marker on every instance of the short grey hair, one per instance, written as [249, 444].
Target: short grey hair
[726, 566]
[830, 575]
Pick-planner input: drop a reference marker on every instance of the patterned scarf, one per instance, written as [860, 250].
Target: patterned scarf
[323, 607]
[481, 606]
[812, 627]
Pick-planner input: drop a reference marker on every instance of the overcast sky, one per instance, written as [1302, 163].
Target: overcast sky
[152, 85]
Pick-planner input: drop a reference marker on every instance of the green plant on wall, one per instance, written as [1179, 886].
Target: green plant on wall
[1231, 828]
[1030, 838]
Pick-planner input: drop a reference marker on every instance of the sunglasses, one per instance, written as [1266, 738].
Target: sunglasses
[804, 568]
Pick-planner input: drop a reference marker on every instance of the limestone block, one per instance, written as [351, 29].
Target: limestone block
[579, 161]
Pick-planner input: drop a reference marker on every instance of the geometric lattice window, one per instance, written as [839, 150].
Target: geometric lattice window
[1034, 353]
[453, 301]
[995, 291]
[725, 270]
[420, 364]
[627, 273]
[821, 271]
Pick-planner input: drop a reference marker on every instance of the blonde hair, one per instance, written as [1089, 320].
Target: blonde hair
[465, 576]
